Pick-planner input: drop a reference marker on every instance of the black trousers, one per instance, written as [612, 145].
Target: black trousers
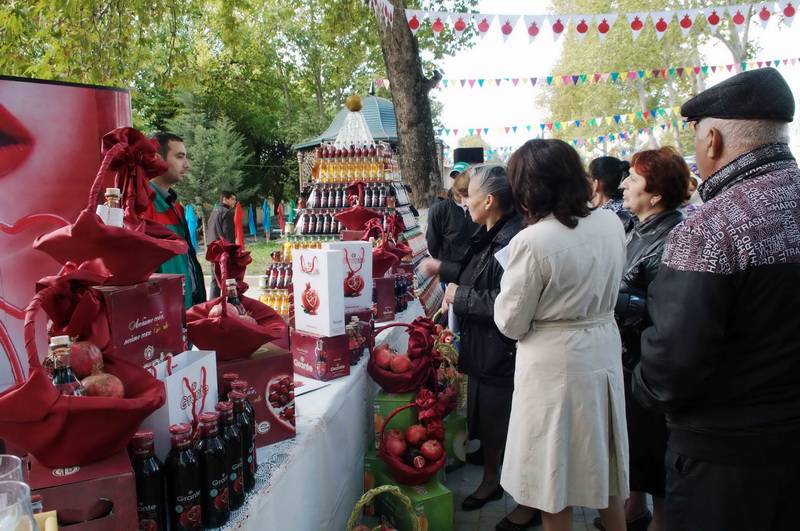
[704, 496]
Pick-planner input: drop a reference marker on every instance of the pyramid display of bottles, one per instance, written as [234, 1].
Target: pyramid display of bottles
[336, 165]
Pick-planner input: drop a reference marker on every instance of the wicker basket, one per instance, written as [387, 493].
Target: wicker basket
[370, 495]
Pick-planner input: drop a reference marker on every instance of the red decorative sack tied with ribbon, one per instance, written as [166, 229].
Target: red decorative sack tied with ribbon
[357, 216]
[382, 259]
[424, 361]
[131, 253]
[75, 308]
[424, 469]
[60, 430]
[231, 336]
[230, 261]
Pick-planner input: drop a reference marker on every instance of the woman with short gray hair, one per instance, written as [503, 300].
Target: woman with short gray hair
[486, 356]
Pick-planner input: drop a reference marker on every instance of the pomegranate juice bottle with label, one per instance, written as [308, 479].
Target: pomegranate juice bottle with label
[182, 470]
[149, 474]
[213, 472]
[234, 449]
[245, 424]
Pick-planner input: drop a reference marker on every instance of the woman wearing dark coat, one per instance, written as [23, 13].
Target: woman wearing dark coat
[486, 356]
[657, 185]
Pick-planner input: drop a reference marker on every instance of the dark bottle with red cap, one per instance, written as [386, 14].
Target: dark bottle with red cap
[149, 474]
[243, 387]
[234, 453]
[182, 470]
[245, 424]
[213, 471]
[227, 379]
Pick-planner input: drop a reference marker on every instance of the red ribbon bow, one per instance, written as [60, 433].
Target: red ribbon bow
[230, 261]
[429, 415]
[135, 163]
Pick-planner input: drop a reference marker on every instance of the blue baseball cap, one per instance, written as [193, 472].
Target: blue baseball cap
[461, 167]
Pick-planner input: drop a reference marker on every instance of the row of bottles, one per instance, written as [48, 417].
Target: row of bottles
[320, 223]
[278, 276]
[277, 299]
[203, 478]
[335, 196]
[336, 163]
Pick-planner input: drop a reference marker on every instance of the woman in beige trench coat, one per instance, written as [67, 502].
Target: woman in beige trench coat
[567, 441]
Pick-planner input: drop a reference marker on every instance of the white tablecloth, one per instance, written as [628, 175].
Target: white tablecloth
[312, 482]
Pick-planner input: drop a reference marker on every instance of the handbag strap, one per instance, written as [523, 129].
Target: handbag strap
[193, 394]
[103, 173]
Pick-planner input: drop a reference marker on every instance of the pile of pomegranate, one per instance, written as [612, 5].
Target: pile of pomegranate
[389, 360]
[216, 311]
[87, 364]
[415, 447]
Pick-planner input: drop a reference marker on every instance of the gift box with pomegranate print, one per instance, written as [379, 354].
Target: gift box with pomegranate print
[357, 264]
[317, 278]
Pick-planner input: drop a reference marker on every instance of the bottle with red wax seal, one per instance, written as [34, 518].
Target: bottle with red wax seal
[227, 379]
[149, 474]
[210, 450]
[244, 422]
[234, 453]
[182, 470]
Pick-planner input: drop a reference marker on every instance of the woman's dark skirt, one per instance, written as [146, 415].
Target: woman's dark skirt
[488, 411]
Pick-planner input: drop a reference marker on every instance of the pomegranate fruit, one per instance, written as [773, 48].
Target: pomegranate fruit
[103, 384]
[86, 359]
[400, 363]
[416, 434]
[394, 433]
[383, 356]
[248, 319]
[216, 310]
[395, 446]
[432, 450]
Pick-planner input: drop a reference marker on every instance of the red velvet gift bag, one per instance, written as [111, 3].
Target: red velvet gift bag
[131, 253]
[60, 430]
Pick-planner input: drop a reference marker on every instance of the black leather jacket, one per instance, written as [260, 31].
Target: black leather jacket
[449, 230]
[645, 244]
[722, 358]
[485, 353]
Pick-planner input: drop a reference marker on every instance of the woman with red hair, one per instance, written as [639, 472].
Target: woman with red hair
[658, 184]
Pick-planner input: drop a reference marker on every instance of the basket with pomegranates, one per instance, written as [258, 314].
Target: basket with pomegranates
[368, 498]
[66, 430]
[415, 456]
[409, 371]
[219, 326]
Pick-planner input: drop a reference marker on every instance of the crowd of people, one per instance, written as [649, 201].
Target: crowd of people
[626, 332]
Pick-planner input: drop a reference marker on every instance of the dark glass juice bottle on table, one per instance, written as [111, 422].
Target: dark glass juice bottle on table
[234, 452]
[182, 471]
[210, 452]
[227, 379]
[149, 474]
[244, 422]
[63, 377]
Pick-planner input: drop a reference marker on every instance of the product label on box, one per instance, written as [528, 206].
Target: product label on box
[357, 264]
[321, 358]
[318, 279]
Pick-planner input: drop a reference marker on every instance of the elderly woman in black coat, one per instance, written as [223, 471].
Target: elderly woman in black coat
[486, 356]
[657, 185]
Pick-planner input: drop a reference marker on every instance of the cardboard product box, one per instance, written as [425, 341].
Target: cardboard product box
[321, 358]
[266, 371]
[383, 296]
[403, 268]
[357, 268]
[432, 502]
[382, 406]
[148, 320]
[96, 497]
[352, 235]
[455, 441]
[318, 277]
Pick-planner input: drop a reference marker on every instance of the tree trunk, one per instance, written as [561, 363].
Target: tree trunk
[285, 86]
[416, 144]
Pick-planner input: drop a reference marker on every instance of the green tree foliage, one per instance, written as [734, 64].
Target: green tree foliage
[216, 153]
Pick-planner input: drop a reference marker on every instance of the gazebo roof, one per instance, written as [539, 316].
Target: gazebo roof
[378, 114]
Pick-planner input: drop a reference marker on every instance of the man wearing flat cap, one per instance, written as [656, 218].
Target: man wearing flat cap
[722, 358]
